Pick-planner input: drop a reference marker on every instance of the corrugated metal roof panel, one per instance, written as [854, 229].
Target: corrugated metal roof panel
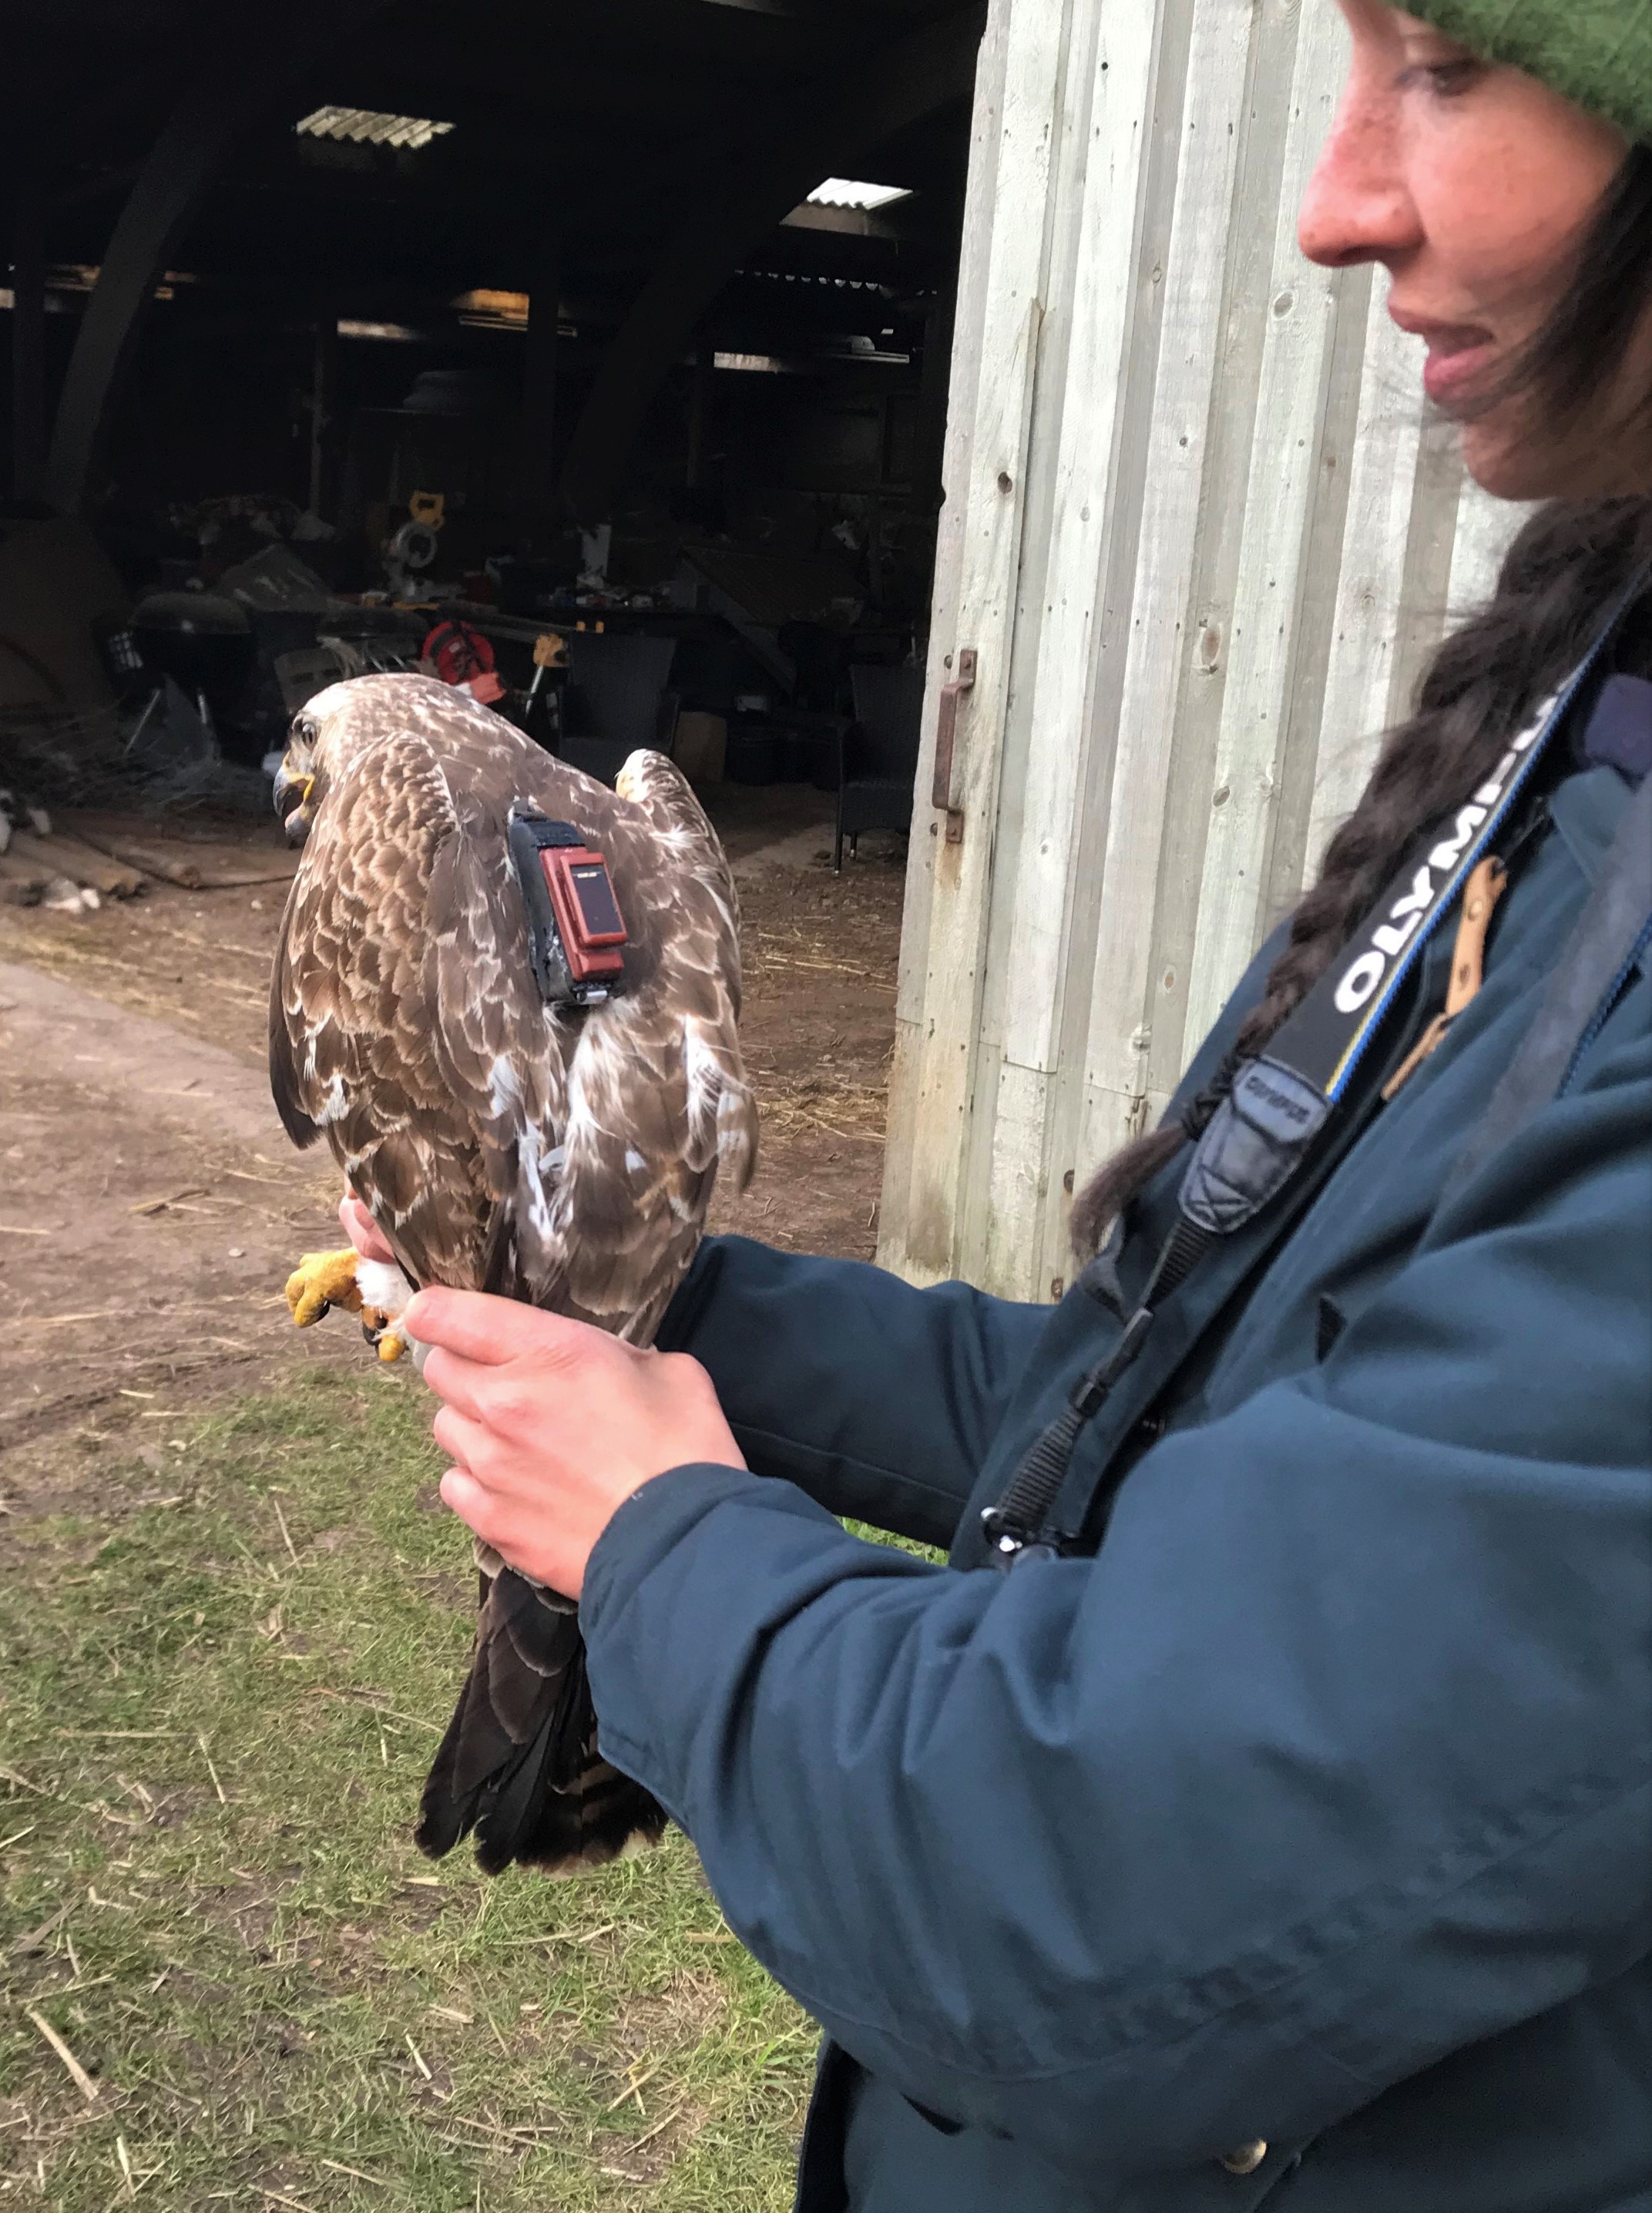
[366, 126]
[845, 193]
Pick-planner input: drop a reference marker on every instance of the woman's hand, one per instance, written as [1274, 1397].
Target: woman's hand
[552, 1426]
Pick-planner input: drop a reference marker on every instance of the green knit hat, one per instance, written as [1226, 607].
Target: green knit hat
[1598, 52]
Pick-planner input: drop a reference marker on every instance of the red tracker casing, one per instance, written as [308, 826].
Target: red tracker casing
[587, 914]
[576, 932]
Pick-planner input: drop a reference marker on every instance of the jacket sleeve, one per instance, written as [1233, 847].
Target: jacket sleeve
[877, 1400]
[1335, 1761]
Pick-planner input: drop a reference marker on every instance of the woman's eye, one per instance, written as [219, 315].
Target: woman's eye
[1449, 80]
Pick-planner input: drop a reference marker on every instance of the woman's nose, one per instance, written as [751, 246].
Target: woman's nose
[1358, 206]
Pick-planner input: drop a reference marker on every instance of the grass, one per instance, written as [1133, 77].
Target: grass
[221, 1690]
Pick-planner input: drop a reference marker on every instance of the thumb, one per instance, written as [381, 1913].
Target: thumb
[488, 1331]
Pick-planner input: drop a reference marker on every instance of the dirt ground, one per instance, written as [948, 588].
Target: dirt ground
[150, 1205]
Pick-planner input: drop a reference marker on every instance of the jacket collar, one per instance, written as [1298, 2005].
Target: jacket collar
[1613, 752]
[1587, 809]
[1618, 732]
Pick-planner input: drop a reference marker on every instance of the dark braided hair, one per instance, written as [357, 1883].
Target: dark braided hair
[1562, 569]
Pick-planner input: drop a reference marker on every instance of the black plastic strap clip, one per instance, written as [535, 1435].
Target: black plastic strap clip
[1256, 1141]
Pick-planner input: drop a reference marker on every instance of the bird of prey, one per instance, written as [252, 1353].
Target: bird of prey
[505, 1140]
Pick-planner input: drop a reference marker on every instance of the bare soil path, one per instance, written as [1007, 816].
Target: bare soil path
[150, 1205]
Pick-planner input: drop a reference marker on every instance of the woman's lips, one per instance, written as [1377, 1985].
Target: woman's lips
[1461, 357]
[1454, 374]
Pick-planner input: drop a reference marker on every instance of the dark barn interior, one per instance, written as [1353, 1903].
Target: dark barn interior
[592, 356]
[522, 321]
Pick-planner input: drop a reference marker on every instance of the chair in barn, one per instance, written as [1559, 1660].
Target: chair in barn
[878, 755]
[619, 700]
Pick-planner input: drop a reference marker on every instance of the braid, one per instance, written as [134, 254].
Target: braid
[1482, 683]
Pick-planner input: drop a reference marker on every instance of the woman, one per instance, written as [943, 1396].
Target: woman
[1295, 1843]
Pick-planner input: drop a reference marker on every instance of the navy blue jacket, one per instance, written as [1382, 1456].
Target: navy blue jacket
[1316, 1808]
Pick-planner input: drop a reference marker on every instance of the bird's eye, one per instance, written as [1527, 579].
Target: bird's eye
[305, 730]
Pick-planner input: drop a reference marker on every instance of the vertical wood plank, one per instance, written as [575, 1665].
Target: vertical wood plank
[1034, 929]
[941, 1069]
[1161, 648]
[1296, 354]
[986, 135]
[1371, 584]
[1237, 423]
[1485, 529]
[1062, 342]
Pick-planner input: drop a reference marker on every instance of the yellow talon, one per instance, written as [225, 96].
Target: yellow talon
[322, 1280]
[379, 1329]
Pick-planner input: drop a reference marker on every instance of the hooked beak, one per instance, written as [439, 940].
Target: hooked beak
[295, 822]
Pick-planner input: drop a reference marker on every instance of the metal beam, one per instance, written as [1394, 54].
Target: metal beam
[737, 206]
[250, 74]
[28, 336]
[324, 386]
[538, 476]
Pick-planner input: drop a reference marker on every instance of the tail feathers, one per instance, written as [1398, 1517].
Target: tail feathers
[519, 1764]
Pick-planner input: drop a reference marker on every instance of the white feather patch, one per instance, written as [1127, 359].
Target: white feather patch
[383, 1285]
[504, 1087]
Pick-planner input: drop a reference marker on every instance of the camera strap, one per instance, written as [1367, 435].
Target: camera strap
[1265, 1130]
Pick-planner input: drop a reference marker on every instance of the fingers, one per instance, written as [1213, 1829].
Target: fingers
[491, 1518]
[466, 1496]
[457, 1381]
[461, 1438]
[488, 1331]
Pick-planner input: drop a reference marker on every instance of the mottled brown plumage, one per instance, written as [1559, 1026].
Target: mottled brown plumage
[564, 1158]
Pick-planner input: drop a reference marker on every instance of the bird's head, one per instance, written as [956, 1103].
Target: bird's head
[323, 736]
[295, 778]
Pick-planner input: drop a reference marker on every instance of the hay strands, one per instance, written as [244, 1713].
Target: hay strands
[78, 2075]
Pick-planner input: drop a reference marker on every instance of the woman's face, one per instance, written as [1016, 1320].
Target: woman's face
[1472, 185]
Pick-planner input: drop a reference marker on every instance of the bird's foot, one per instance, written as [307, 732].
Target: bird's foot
[379, 1330]
[385, 1292]
[320, 1281]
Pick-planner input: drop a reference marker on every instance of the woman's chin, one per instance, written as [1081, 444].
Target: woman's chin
[1510, 466]
[1505, 466]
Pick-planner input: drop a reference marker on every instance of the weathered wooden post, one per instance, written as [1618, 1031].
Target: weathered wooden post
[1199, 541]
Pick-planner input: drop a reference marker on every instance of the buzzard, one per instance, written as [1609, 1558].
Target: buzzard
[503, 1139]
